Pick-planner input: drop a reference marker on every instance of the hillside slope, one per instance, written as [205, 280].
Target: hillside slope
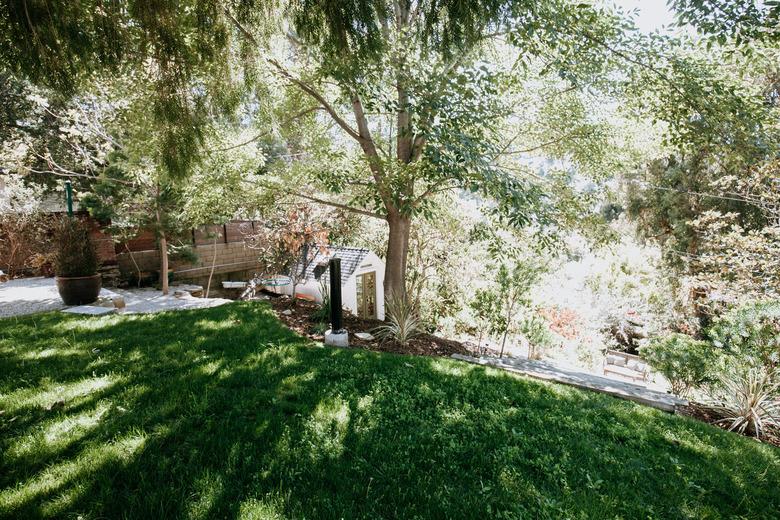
[225, 413]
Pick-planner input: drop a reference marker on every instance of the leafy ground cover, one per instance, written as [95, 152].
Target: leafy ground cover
[223, 412]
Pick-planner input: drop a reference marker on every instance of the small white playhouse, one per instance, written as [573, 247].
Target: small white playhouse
[362, 275]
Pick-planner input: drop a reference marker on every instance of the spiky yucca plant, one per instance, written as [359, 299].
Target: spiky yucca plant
[750, 403]
[402, 320]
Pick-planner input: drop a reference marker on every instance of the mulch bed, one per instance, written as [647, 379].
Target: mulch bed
[710, 415]
[301, 321]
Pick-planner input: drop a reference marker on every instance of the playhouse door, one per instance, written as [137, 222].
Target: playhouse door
[366, 295]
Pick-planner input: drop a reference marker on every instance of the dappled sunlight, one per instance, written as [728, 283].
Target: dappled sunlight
[57, 433]
[211, 368]
[269, 508]
[49, 393]
[55, 477]
[244, 425]
[50, 352]
[206, 491]
[89, 324]
[212, 325]
[327, 428]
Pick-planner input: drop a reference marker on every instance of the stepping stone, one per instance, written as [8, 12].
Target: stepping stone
[183, 290]
[365, 336]
[90, 310]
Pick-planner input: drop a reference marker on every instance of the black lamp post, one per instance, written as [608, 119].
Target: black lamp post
[336, 322]
[69, 197]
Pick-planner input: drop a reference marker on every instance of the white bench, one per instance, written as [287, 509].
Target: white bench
[626, 365]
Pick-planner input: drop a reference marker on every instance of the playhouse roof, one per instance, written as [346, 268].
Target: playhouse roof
[351, 258]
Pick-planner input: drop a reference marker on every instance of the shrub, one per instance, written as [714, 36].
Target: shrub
[403, 320]
[322, 315]
[751, 334]
[75, 253]
[685, 362]
[537, 331]
[748, 401]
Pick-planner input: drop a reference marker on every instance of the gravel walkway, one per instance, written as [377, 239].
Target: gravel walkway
[30, 295]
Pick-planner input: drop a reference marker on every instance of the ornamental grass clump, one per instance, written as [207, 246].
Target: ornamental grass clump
[402, 320]
[75, 253]
[749, 402]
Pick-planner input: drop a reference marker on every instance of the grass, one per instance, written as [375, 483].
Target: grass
[223, 413]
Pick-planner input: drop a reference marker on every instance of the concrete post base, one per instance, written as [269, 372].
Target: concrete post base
[337, 339]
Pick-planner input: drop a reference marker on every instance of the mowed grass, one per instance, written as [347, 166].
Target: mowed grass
[223, 413]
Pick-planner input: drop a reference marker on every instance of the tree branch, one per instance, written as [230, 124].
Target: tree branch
[572, 134]
[337, 205]
[318, 200]
[317, 96]
[263, 134]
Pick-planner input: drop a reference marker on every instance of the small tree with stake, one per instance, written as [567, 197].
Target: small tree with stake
[288, 243]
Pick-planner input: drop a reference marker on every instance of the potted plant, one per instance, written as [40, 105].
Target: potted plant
[76, 263]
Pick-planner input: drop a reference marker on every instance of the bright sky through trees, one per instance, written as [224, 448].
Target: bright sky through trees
[651, 14]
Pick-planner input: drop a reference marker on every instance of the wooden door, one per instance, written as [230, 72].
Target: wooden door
[366, 295]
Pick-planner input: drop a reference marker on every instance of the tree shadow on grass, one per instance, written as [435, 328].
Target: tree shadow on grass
[223, 413]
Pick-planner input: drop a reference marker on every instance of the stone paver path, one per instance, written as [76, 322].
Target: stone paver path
[585, 380]
[30, 295]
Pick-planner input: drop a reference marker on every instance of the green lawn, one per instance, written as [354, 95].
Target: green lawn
[222, 413]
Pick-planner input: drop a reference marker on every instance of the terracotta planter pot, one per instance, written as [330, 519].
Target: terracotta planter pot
[79, 290]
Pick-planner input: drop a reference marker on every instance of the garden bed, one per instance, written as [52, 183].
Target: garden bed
[303, 320]
[710, 415]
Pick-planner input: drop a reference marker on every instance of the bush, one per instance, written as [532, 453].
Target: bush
[751, 334]
[537, 331]
[403, 320]
[322, 315]
[685, 362]
[75, 253]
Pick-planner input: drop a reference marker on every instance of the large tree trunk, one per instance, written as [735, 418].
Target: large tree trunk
[397, 253]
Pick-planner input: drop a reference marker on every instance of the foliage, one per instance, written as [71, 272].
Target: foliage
[289, 240]
[685, 362]
[750, 334]
[322, 315]
[485, 307]
[597, 291]
[743, 22]
[513, 283]
[23, 227]
[669, 195]
[224, 413]
[564, 322]
[75, 254]
[735, 264]
[179, 54]
[536, 331]
[402, 319]
[749, 401]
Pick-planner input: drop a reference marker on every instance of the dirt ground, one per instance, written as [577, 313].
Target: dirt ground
[300, 319]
